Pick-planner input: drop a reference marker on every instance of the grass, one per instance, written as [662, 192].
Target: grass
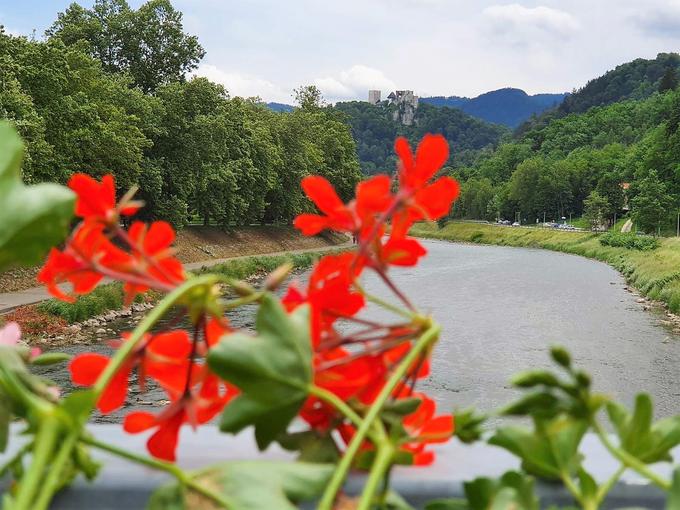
[655, 273]
[110, 296]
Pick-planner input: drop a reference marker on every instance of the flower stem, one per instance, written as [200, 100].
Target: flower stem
[147, 323]
[607, 486]
[629, 460]
[381, 302]
[381, 464]
[45, 441]
[51, 484]
[340, 405]
[182, 476]
[340, 473]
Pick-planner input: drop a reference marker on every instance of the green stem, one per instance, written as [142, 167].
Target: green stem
[182, 476]
[381, 464]
[340, 405]
[381, 302]
[45, 441]
[53, 478]
[373, 413]
[607, 486]
[629, 460]
[147, 323]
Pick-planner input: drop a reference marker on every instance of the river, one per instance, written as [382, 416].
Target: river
[501, 308]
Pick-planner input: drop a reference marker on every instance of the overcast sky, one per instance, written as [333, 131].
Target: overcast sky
[435, 47]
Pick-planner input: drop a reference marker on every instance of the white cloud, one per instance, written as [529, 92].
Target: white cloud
[353, 83]
[524, 24]
[245, 85]
[661, 21]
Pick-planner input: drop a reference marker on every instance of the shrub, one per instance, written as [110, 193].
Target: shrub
[630, 241]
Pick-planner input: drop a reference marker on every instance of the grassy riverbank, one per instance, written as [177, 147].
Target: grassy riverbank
[655, 274]
[110, 297]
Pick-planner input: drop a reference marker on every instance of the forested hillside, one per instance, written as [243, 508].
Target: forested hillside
[374, 131]
[507, 106]
[577, 164]
[87, 99]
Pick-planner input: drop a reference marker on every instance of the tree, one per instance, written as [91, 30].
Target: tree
[308, 97]
[596, 210]
[148, 43]
[651, 204]
[669, 80]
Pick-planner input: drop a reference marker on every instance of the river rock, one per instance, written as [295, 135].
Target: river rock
[75, 328]
[100, 331]
[640, 300]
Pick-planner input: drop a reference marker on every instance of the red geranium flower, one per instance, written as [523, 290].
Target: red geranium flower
[191, 408]
[423, 428]
[163, 357]
[423, 200]
[152, 256]
[336, 215]
[97, 201]
[76, 264]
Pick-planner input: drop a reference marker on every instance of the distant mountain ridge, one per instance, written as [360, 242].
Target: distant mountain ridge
[280, 107]
[508, 106]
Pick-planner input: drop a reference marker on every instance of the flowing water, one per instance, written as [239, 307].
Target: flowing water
[500, 309]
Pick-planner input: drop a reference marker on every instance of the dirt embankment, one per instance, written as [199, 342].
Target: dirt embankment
[197, 244]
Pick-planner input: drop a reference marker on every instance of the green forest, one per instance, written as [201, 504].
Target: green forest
[107, 91]
[374, 132]
[579, 163]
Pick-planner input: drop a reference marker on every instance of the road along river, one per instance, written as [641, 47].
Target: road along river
[500, 309]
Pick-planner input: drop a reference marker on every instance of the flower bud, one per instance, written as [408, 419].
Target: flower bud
[278, 276]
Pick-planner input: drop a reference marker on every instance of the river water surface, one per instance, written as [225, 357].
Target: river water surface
[501, 308]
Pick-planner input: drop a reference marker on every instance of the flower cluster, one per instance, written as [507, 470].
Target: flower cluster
[353, 356]
[355, 365]
[142, 258]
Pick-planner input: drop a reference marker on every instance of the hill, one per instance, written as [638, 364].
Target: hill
[280, 107]
[507, 106]
[374, 131]
[638, 79]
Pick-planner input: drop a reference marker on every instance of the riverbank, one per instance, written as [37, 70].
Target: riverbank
[203, 244]
[54, 323]
[655, 274]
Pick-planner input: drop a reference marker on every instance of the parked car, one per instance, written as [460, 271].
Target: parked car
[516, 224]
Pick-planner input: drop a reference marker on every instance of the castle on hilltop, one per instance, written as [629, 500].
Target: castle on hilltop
[405, 101]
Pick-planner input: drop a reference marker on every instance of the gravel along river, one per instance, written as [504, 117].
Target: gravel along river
[500, 309]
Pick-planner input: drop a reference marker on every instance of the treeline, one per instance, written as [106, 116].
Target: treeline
[581, 164]
[107, 92]
[374, 132]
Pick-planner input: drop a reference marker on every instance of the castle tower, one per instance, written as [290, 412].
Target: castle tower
[374, 96]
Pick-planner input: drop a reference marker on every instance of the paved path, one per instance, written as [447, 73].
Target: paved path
[10, 300]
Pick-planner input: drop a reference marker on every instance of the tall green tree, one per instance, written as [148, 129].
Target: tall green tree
[596, 210]
[149, 43]
[652, 204]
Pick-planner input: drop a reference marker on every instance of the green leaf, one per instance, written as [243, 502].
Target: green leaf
[312, 446]
[546, 451]
[649, 442]
[587, 484]
[512, 490]
[32, 218]
[468, 425]
[250, 485]
[50, 358]
[273, 370]
[78, 405]
[539, 403]
[531, 378]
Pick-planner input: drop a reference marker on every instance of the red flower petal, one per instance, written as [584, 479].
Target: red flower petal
[86, 368]
[138, 421]
[322, 193]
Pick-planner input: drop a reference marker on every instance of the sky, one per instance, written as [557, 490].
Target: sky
[266, 48]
